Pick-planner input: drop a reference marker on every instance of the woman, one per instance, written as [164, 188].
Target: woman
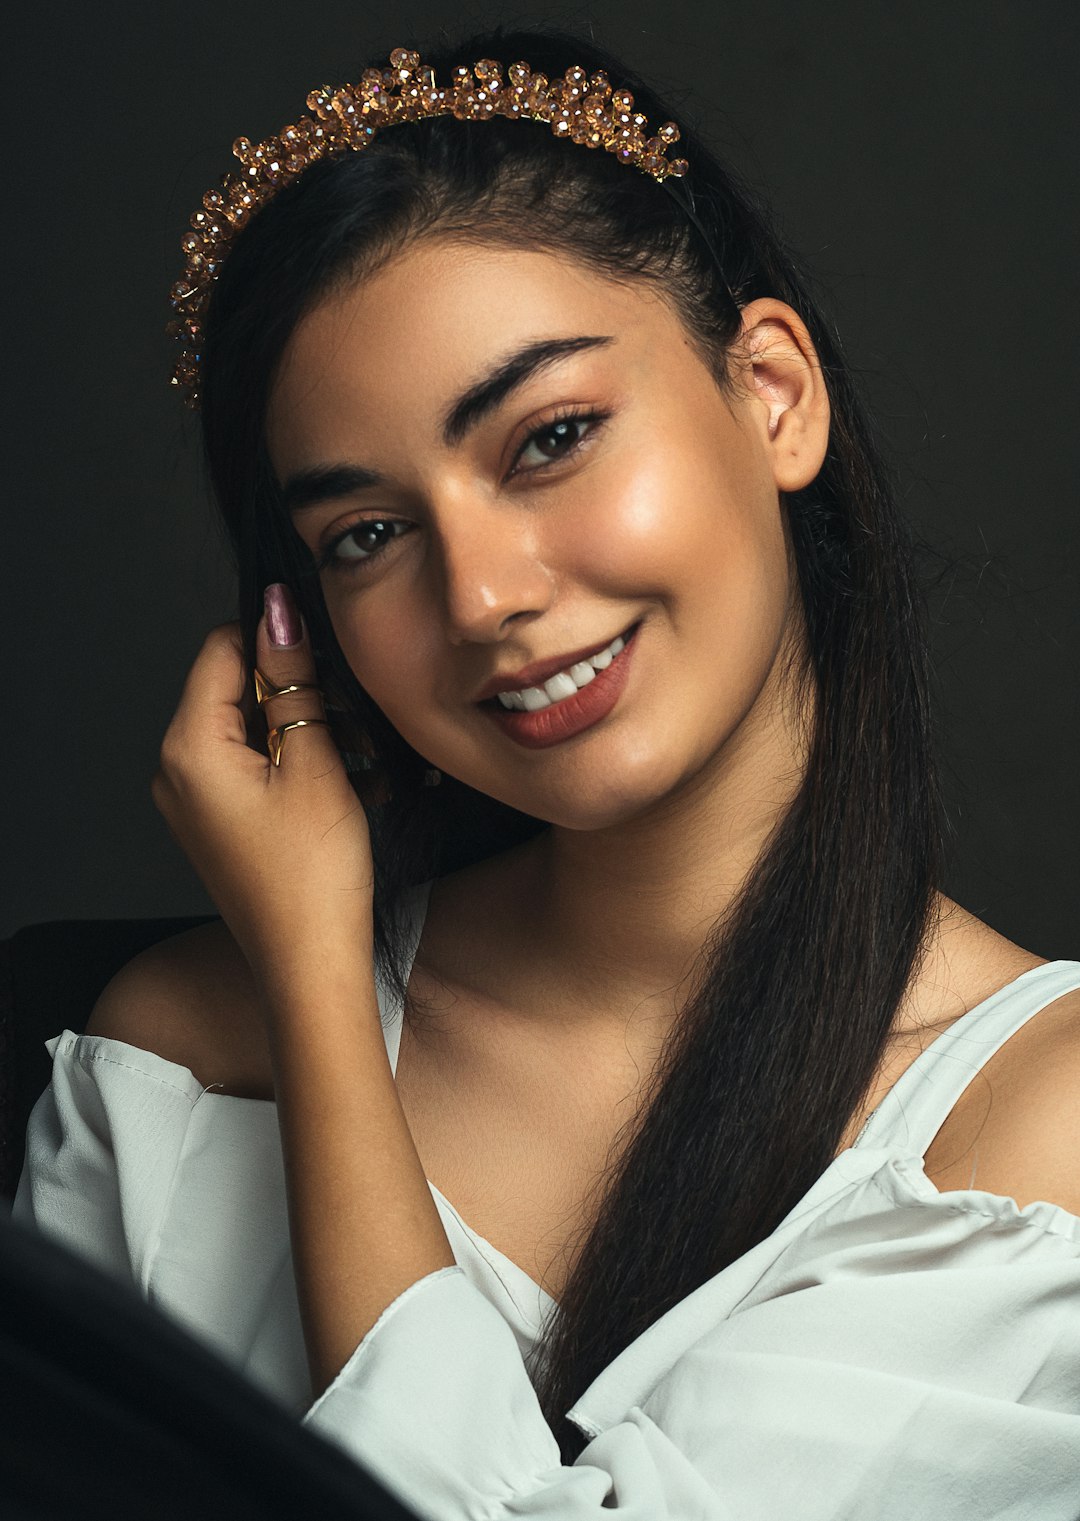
[588, 1100]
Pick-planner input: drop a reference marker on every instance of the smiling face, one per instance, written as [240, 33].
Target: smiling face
[604, 483]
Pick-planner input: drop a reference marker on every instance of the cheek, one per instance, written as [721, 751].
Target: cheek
[389, 654]
[691, 534]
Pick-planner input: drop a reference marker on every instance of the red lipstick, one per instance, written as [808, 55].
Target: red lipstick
[571, 715]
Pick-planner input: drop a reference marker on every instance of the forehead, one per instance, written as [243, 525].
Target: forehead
[391, 349]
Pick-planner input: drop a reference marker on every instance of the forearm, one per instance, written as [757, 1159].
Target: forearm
[362, 1220]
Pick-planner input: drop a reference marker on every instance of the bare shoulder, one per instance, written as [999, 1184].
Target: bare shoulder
[191, 999]
[1016, 1129]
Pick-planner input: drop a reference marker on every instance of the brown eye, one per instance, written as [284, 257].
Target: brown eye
[560, 438]
[360, 543]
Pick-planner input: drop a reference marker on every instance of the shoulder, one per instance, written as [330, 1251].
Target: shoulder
[191, 999]
[1016, 1129]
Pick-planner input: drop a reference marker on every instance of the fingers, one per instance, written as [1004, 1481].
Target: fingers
[284, 659]
[209, 706]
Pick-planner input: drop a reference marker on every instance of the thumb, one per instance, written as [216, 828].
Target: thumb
[284, 659]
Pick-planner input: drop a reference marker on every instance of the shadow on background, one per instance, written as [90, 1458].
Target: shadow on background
[918, 157]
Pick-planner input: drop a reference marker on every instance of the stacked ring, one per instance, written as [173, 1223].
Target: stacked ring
[264, 691]
[275, 738]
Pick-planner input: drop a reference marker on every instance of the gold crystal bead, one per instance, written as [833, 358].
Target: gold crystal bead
[345, 118]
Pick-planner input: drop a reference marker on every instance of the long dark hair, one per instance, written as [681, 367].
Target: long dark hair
[797, 987]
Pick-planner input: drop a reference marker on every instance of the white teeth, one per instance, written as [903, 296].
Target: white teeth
[560, 685]
[564, 684]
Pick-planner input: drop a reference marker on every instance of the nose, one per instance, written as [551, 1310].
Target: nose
[492, 570]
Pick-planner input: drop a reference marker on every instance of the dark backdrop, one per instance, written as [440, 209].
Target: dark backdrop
[922, 156]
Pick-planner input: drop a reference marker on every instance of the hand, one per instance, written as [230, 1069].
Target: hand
[284, 851]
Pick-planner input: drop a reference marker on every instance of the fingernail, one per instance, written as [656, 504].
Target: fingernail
[283, 623]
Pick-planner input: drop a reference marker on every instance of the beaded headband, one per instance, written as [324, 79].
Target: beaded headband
[579, 106]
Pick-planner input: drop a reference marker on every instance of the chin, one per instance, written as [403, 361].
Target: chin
[618, 797]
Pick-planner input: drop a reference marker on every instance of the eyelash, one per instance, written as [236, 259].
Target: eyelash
[327, 559]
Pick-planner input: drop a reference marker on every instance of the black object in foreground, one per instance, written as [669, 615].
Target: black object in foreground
[109, 1409]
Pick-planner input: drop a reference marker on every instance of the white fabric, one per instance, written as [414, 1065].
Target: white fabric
[888, 1352]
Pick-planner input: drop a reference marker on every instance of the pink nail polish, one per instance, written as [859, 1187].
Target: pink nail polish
[283, 623]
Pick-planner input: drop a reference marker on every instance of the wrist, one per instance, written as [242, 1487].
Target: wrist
[323, 963]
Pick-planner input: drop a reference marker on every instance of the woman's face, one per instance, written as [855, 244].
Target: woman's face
[481, 515]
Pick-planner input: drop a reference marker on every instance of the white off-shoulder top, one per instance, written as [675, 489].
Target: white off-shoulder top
[888, 1352]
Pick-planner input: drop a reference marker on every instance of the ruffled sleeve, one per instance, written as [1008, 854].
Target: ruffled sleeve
[175, 1189]
[103, 1145]
[904, 1353]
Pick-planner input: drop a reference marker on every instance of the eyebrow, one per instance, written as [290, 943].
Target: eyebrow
[324, 483]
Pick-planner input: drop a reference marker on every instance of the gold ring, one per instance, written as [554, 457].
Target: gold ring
[275, 739]
[264, 691]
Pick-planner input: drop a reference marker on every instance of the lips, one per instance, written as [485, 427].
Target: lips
[541, 728]
[536, 674]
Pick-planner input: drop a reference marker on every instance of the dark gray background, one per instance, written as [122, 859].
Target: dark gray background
[922, 156]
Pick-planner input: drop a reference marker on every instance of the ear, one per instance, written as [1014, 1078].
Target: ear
[786, 397]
